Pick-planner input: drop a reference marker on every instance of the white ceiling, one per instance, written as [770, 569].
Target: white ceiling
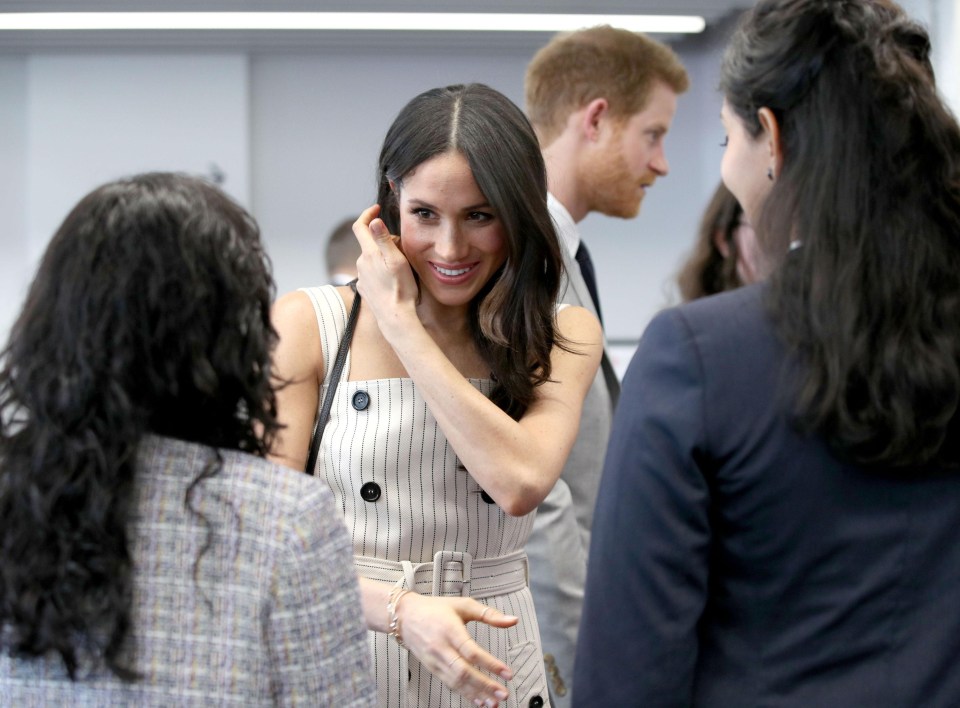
[712, 11]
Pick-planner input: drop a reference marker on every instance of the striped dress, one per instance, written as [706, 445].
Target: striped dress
[408, 501]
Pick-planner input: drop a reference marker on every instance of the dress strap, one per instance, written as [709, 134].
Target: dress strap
[331, 312]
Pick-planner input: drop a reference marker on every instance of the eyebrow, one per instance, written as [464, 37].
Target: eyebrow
[427, 205]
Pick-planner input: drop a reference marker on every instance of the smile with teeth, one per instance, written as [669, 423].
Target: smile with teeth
[451, 272]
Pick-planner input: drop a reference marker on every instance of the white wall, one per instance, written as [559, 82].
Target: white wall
[14, 265]
[69, 122]
[96, 118]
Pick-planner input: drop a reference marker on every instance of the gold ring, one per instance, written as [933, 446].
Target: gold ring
[484, 613]
[454, 660]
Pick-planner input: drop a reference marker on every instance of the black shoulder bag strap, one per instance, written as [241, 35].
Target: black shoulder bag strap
[342, 350]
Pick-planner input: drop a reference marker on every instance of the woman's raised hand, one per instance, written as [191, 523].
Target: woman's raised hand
[385, 279]
[433, 628]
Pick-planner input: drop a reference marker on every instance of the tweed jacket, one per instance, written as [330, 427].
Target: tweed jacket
[269, 615]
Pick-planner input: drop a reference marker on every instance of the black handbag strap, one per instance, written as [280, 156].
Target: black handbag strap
[341, 359]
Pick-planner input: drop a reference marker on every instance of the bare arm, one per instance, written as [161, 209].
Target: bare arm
[516, 462]
[297, 361]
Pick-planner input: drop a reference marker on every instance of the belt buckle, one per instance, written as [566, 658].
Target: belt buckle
[451, 574]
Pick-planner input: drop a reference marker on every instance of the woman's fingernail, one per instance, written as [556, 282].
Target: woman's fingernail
[501, 694]
[506, 674]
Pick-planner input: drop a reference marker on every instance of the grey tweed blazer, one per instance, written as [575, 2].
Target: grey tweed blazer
[269, 616]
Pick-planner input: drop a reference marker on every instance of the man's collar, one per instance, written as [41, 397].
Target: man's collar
[567, 230]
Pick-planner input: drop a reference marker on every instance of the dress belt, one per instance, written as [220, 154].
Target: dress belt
[451, 574]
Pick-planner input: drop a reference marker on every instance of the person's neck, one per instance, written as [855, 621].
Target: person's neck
[562, 178]
[443, 321]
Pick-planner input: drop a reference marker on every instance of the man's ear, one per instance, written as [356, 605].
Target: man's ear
[771, 134]
[594, 114]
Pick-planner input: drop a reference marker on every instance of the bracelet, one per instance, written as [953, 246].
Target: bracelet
[397, 592]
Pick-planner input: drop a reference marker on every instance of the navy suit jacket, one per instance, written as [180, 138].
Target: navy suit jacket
[738, 562]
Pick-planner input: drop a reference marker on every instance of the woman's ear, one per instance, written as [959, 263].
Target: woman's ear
[771, 134]
[720, 243]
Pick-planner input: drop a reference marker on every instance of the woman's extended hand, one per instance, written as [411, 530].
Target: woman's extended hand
[433, 629]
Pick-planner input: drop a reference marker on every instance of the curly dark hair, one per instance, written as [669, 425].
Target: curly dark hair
[512, 318]
[149, 314]
[870, 186]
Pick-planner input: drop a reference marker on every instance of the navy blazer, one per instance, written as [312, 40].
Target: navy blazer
[737, 562]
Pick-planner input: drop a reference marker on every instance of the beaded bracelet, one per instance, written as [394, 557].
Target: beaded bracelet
[397, 592]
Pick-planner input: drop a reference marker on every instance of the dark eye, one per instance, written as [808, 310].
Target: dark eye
[479, 216]
[421, 213]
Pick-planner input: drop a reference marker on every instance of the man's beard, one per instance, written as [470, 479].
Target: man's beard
[610, 186]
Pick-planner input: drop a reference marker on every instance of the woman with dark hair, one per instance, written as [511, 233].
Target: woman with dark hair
[778, 518]
[459, 402]
[726, 255]
[149, 554]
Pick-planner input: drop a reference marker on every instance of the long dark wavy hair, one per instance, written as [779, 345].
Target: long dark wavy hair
[149, 314]
[512, 318]
[707, 271]
[870, 187]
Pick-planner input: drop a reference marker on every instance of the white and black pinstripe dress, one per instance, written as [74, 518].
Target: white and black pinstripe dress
[411, 508]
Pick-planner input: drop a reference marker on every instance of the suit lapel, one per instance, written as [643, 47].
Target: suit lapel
[574, 291]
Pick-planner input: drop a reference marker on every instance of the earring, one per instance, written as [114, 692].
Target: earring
[770, 174]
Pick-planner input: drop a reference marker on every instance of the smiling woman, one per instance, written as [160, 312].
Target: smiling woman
[451, 236]
[459, 402]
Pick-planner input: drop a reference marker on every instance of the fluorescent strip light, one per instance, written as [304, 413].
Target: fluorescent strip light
[430, 21]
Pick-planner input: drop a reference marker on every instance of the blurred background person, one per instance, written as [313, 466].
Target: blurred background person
[150, 554]
[778, 515]
[341, 253]
[726, 254]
